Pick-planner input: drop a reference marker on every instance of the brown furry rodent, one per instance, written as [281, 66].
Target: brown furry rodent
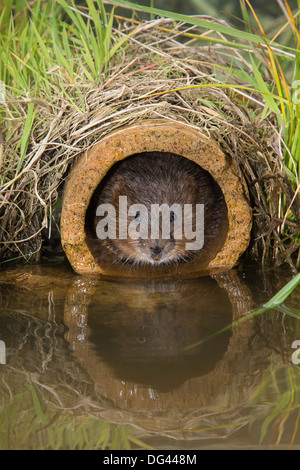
[155, 178]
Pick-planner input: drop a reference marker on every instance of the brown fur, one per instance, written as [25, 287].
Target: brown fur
[155, 178]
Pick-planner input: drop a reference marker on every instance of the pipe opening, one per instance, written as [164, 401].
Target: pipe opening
[156, 212]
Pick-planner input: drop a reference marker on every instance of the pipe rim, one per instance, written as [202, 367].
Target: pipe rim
[149, 136]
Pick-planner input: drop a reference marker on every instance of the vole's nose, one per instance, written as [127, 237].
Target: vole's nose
[156, 252]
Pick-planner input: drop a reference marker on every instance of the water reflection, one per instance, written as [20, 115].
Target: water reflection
[143, 337]
[120, 352]
[134, 339]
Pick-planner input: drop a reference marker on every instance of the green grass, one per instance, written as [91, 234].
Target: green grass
[275, 303]
[276, 69]
[279, 417]
[38, 45]
[42, 41]
[29, 422]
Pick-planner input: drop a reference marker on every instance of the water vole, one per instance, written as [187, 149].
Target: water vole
[153, 178]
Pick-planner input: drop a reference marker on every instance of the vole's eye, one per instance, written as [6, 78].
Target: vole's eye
[172, 216]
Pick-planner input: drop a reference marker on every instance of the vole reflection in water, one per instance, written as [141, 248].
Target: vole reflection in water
[141, 330]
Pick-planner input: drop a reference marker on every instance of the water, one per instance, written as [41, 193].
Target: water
[91, 364]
